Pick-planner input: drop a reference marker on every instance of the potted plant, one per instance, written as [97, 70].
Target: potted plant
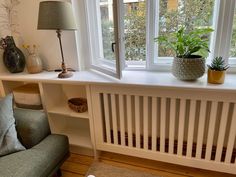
[190, 50]
[216, 71]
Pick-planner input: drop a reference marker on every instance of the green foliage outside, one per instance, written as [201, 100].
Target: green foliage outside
[233, 40]
[108, 38]
[135, 33]
[190, 13]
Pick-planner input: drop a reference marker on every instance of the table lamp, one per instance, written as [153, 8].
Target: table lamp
[57, 15]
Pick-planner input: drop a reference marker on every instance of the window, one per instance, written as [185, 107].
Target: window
[124, 30]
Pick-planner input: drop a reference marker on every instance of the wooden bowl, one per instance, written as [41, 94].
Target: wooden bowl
[78, 104]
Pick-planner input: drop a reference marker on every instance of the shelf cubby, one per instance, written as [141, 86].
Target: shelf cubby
[57, 96]
[77, 130]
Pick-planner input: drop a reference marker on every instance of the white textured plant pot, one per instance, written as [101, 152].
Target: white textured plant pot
[188, 68]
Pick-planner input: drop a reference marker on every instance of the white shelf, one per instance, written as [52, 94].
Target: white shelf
[130, 78]
[66, 111]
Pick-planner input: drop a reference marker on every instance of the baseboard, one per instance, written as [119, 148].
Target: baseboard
[81, 150]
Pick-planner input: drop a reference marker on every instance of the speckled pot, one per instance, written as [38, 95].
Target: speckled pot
[188, 68]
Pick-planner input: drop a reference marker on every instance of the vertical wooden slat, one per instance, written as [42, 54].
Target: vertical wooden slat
[145, 122]
[222, 129]
[231, 138]
[122, 119]
[163, 124]
[192, 113]
[129, 120]
[211, 130]
[154, 123]
[114, 118]
[181, 126]
[137, 121]
[201, 126]
[172, 125]
[107, 117]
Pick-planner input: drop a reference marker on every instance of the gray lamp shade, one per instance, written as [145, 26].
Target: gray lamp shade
[56, 15]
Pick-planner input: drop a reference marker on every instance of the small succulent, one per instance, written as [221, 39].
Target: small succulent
[218, 64]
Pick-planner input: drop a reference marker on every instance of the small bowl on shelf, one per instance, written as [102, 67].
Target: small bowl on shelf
[78, 104]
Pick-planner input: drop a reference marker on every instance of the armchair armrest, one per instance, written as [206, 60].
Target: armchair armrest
[31, 125]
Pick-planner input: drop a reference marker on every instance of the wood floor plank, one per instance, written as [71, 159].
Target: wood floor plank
[161, 166]
[75, 167]
[143, 169]
[78, 165]
[82, 159]
[69, 174]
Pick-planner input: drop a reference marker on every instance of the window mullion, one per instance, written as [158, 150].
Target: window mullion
[151, 31]
[118, 14]
[224, 29]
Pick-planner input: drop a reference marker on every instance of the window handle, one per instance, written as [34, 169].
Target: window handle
[112, 46]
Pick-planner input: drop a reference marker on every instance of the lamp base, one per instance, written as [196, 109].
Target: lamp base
[65, 75]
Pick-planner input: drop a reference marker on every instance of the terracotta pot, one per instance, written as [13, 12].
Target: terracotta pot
[215, 77]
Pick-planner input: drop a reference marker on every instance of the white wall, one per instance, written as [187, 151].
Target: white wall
[47, 40]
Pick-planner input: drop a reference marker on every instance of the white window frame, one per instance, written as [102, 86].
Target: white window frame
[231, 60]
[165, 63]
[220, 40]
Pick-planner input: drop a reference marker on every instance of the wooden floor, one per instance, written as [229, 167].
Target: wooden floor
[77, 166]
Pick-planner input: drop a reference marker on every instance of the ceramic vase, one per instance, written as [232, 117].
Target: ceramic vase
[34, 63]
[13, 58]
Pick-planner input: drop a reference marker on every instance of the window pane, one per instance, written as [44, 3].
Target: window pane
[233, 39]
[107, 24]
[135, 30]
[189, 13]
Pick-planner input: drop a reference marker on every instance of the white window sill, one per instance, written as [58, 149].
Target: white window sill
[130, 78]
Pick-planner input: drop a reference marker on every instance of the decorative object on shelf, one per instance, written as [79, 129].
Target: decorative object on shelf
[28, 96]
[216, 71]
[13, 58]
[33, 61]
[188, 69]
[57, 15]
[78, 104]
[190, 49]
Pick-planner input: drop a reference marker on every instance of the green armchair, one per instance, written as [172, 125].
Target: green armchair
[45, 151]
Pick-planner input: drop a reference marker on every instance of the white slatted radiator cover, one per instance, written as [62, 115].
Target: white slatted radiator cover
[194, 127]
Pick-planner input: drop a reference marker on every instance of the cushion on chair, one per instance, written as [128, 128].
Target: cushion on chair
[32, 126]
[38, 161]
[8, 135]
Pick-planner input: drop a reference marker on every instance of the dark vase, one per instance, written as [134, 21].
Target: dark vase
[13, 57]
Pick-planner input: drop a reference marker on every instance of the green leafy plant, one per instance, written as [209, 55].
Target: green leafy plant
[187, 44]
[218, 64]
